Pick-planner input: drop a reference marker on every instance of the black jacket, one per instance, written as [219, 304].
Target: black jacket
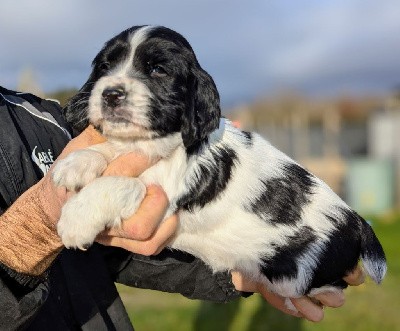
[78, 291]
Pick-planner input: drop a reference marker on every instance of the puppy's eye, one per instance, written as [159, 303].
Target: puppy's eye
[157, 71]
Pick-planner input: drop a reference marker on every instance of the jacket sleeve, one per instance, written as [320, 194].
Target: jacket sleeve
[20, 298]
[28, 125]
[171, 271]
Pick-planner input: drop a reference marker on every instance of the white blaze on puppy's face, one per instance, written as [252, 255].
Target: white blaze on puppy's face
[137, 38]
[128, 115]
[129, 119]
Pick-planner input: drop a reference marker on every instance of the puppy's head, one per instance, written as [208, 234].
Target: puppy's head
[146, 83]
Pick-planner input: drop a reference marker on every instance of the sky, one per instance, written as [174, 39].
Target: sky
[250, 47]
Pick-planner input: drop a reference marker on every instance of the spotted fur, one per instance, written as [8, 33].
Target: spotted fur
[243, 204]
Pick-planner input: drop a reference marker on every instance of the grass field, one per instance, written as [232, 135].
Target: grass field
[368, 307]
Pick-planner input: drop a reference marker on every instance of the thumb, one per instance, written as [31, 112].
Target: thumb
[130, 165]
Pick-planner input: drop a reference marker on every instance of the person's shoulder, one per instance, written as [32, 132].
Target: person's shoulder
[17, 97]
[47, 110]
[6, 94]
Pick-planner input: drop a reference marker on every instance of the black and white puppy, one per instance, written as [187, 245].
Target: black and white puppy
[242, 204]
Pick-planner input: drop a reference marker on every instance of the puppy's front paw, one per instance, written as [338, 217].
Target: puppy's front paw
[78, 226]
[99, 205]
[79, 169]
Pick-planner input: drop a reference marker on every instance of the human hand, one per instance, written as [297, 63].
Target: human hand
[140, 233]
[53, 197]
[29, 241]
[308, 308]
[144, 233]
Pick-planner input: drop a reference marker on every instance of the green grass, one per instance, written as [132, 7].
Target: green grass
[368, 307]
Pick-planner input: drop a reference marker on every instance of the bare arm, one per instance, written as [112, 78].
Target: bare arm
[29, 241]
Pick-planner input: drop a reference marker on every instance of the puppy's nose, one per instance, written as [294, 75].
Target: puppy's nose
[113, 96]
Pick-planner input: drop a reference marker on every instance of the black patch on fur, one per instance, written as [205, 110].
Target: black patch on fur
[283, 198]
[113, 52]
[249, 138]
[188, 85]
[342, 252]
[165, 48]
[338, 255]
[372, 250]
[211, 181]
[203, 112]
[186, 99]
[283, 263]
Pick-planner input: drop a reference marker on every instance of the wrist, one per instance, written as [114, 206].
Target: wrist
[29, 242]
[50, 200]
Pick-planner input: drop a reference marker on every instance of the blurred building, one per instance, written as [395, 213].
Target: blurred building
[384, 141]
[350, 144]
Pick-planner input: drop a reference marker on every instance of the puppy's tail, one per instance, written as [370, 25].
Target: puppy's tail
[372, 254]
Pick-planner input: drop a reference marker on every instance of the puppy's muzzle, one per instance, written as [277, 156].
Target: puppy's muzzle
[113, 96]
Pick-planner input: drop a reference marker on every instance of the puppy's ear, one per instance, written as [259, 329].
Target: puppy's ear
[203, 112]
[76, 110]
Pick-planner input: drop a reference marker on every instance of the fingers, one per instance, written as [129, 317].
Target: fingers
[313, 310]
[305, 307]
[242, 283]
[331, 299]
[142, 224]
[151, 246]
[130, 165]
[310, 310]
[245, 284]
[142, 233]
[90, 136]
[280, 303]
[356, 277]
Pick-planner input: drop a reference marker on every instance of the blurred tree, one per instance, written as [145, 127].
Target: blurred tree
[63, 95]
[28, 82]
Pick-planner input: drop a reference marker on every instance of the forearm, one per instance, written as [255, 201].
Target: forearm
[29, 242]
[174, 272]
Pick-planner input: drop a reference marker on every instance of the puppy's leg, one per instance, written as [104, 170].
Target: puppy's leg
[99, 205]
[83, 166]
